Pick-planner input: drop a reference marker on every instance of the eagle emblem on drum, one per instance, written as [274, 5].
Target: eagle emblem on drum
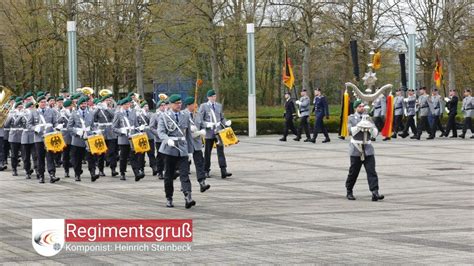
[99, 144]
[143, 143]
[56, 142]
[230, 135]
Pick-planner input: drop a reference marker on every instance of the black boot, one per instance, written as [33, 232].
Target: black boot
[114, 173]
[101, 172]
[313, 140]
[41, 179]
[307, 140]
[28, 176]
[94, 176]
[189, 200]
[204, 186]
[224, 173]
[297, 139]
[376, 196]
[78, 178]
[155, 171]
[122, 176]
[66, 173]
[283, 139]
[138, 174]
[207, 175]
[350, 196]
[463, 135]
[326, 140]
[385, 139]
[53, 179]
[169, 203]
[160, 176]
[394, 135]
[14, 172]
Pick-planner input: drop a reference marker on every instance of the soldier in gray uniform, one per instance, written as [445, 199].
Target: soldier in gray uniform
[410, 112]
[63, 120]
[143, 120]
[436, 111]
[5, 144]
[103, 117]
[160, 163]
[398, 105]
[361, 151]
[173, 129]
[124, 125]
[27, 141]
[303, 105]
[380, 109]
[81, 125]
[194, 140]
[424, 108]
[213, 116]
[468, 112]
[41, 121]
[14, 138]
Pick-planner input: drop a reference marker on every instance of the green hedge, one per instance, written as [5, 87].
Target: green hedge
[268, 126]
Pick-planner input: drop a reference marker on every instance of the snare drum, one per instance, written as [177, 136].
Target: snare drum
[96, 144]
[139, 143]
[227, 137]
[54, 142]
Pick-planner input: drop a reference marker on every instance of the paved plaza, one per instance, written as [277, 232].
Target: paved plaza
[285, 203]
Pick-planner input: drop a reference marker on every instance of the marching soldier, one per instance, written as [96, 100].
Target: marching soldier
[160, 164]
[194, 141]
[65, 93]
[468, 112]
[303, 106]
[14, 138]
[436, 111]
[103, 118]
[143, 120]
[289, 115]
[424, 106]
[410, 110]
[41, 121]
[320, 110]
[27, 141]
[379, 109]
[398, 105]
[124, 125]
[81, 125]
[6, 143]
[173, 128]
[452, 110]
[362, 152]
[213, 116]
[63, 120]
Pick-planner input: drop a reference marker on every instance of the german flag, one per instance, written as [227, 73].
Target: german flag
[288, 77]
[438, 71]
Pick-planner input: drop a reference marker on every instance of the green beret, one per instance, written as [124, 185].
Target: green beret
[211, 93]
[144, 103]
[13, 97]
[28, 94]
[39, 93]
[60, 98]
[96, 101]
[130, 94]
[17, 103]
[126, 100]
[41, 98]
[18, 99]
[64, 90]
[174, 98]
[75, 96]
[51, 98]
[83, 99]
[28, 104]
[160, 102]
[188, 101]
[357, 103]
[106, 97]
[67, 103]
[46, 93]
[119, 102]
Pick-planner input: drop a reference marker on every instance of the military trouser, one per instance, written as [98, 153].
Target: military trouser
[15, 146]
[410, 124]
[423, 125]
[111, 155]
[304, 125]
[199, 165]
[171, 164]
[41, 155]
[125, 152]
[77, 155]
[436, 125]
[2, 157]
[67, 158]
[320, 127]
[160, 158]
[6, 148]
[354, 170]
[397, 121]
[207, 155]
[289, 125]
[467, 124]
[26, 154]
[379, 123]
[151, 156]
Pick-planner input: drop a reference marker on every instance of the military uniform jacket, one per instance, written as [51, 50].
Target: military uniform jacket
[195, 143]
[6, 129]
[103, 119]
[468, 106]
[435, 106]
[354, 119]
[28, 135]
[176, 130]
[411, 105]
[43, 119]
[13, 124]
[154, 125]
[452, 105]
[145, 119]
[214, 115]
[80, 120]
[289, 108]
[380, 106]
[398, 105]
[304, 106]
[424, 105]
[128, 122]
[321, 107]
[63, 119]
